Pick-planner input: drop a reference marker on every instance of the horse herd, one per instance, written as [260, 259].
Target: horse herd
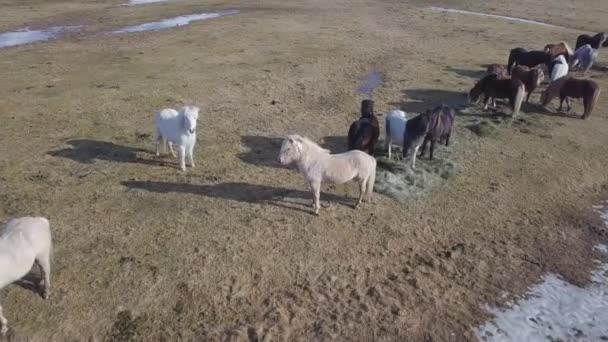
[27, 240]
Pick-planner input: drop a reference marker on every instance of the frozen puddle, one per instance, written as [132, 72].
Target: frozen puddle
[173, 22]
[27, 36]
[449, 10]
[143, 2]
[556, 310]
[371, 81]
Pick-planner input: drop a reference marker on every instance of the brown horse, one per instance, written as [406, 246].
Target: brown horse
[531, 78]
[493, 88]
[520, 56]
[441, 120]
[499, 70]
[363, 134]
[566, 87]
[561, 48]
[595, 41]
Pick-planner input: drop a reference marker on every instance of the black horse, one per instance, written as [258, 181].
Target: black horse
[595, 41]
[521, 56]
[363, 134]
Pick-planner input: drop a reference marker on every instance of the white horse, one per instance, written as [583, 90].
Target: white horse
[560, 68]
[23, 242]
[394, 125]
[583, 58]
[173, 127]
[318, 165]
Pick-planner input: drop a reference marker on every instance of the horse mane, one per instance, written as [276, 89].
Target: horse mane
[311, 145]
[568, 48]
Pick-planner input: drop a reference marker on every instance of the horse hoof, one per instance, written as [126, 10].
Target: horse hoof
[3, 331]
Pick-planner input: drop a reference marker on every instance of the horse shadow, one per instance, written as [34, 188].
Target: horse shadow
[263, 151]
[86, 151]
[240, 192]
[419, 100]
[476, 74]
[335, 143]
[31, 282]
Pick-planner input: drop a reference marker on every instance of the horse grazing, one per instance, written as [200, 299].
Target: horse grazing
[363, 134]
[583, 58]
[499, 70]
[531, 59]
[559, 49]
[531, 78]
[493, 88]
[318, 165]
[566, 87]
[394, 125]
[23, 242]
[173, 127]
[415, 133]
[596, 41]
[441, 121]
[558, 68]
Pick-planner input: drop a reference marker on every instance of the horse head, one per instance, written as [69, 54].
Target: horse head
[190, 117]
[291, 150]
[367, 108]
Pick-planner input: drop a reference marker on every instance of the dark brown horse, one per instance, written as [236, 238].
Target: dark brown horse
[520, 56]
[499, 70]
[561, 48]
[363, 133]
[441, 121]
[567, 87]
[595, 41]
[414, 135]
[492, 88]
[531, 78]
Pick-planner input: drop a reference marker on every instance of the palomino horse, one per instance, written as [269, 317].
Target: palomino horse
[531, 78]
[596, 41]
[394, 125]
[583, 58]
[559, 49]
[363, 134]
[493, 88]
[499, 70]
[318, 165]
[520, 56]
[566, 87]
[558, 68]
[416, 130]
[441, 121]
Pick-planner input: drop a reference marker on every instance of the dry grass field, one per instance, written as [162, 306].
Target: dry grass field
[229, 250]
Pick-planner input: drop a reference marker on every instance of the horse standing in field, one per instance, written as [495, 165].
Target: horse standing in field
[531, 59]
[416, 130]
[441, 121]
[493, 88]
[23, 242]
[583, 58]
[363, 134]
[558, 68]
[394, 125]
[531, 78]
[499, 70]
[567, 87]
[318, 165]
[596, 41]
[173, 127]
[559, 49]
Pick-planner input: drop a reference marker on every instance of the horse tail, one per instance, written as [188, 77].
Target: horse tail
[512, 57]
[369, 188]
[519, 98]
[387, 130]
[592, 101]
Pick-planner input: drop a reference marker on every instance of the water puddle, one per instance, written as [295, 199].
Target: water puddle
[174, 22]
[142, 2]
[450, 10]
[371, 81]
[27, 36]
[556, 310]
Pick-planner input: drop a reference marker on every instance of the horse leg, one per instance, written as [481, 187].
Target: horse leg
[159, 141]
[561, 102]
[447, 138]
[485, 102]
[171, 148]
[494, 102]
[316, 193]
[432, 149]
[528, 97]
[191, 154]
[414, 157]
[389, 146]
[568, 103]
[3, 323]
[182, 157]
[426, 140]
[362, 185]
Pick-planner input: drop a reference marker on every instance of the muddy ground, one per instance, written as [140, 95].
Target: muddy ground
[229, 250]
